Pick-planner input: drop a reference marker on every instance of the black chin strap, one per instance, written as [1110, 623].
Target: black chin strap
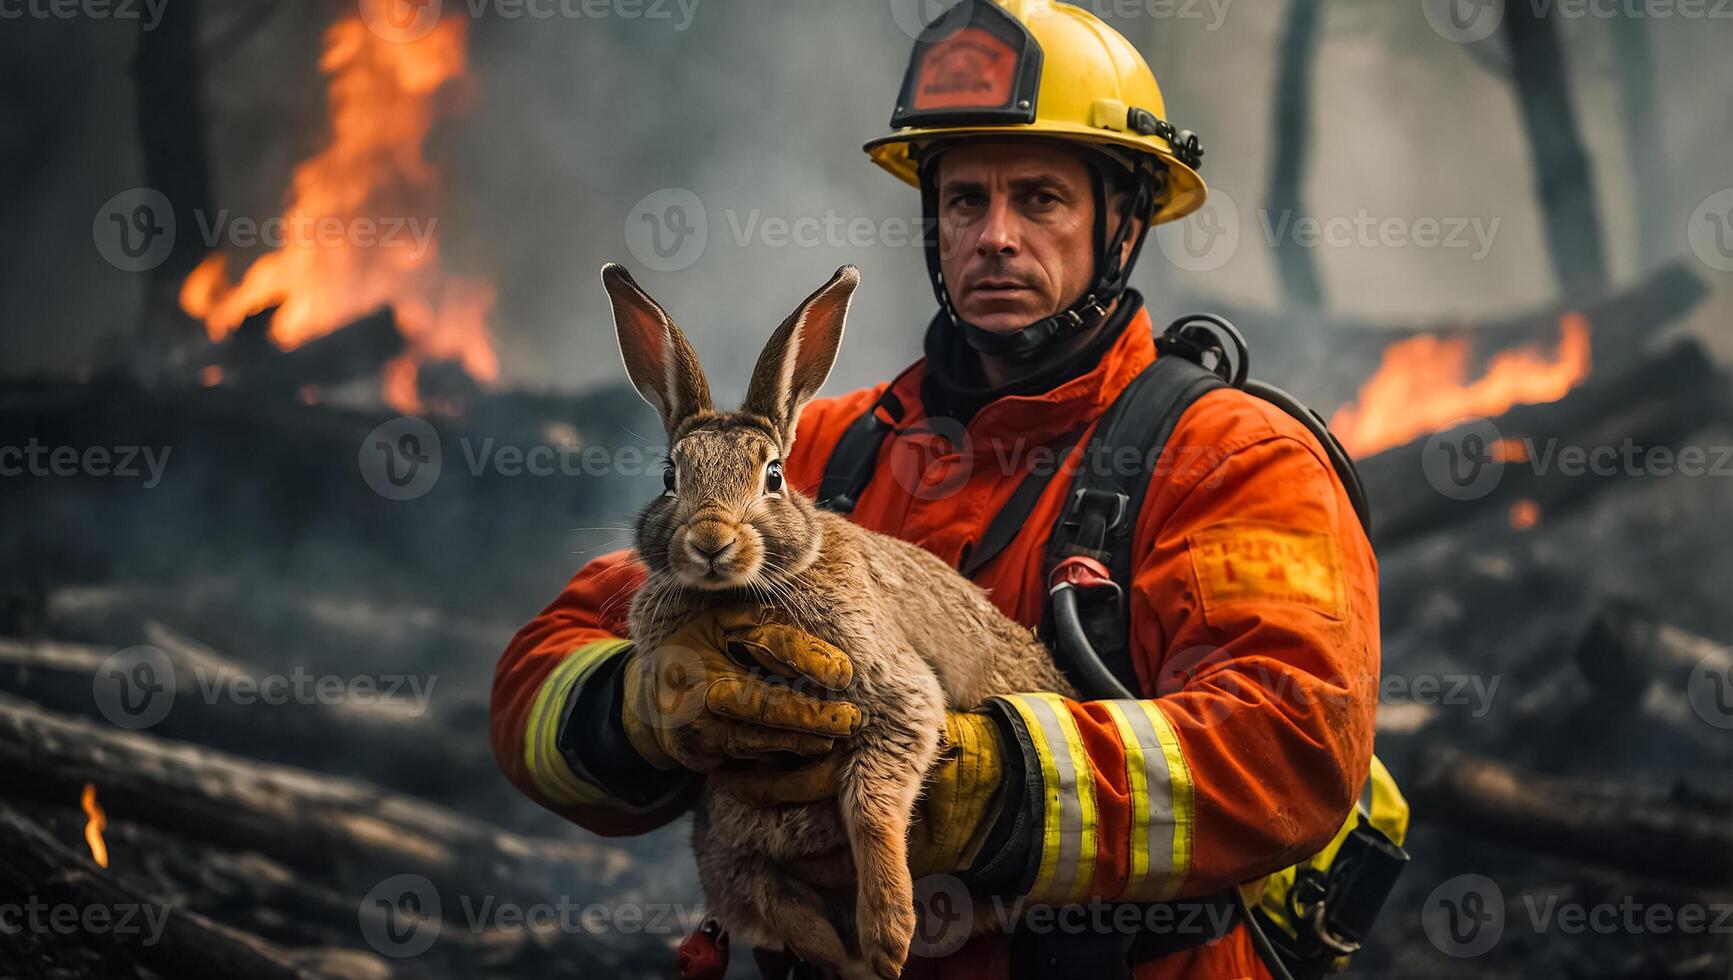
[1111, 277]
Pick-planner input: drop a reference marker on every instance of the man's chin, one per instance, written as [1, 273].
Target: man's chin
[1001, 321]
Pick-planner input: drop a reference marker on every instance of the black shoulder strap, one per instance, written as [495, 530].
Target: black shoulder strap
[851, 464]
[1107, 494]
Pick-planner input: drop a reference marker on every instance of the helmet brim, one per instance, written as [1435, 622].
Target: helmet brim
[1186, 188]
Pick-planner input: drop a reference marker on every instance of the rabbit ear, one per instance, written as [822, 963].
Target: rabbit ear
[658, 359]
[800, 355]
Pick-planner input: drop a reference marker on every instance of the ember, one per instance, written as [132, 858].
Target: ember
[95, 822]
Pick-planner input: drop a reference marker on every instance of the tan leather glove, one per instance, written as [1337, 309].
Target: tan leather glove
[692, 704]
[960, 801]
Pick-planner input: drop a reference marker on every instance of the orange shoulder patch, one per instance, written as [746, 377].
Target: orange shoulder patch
[1251, 561]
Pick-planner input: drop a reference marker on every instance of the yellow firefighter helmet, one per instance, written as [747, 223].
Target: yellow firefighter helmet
[1038, 68]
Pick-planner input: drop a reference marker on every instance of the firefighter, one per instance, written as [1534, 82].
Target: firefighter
[1039, 141]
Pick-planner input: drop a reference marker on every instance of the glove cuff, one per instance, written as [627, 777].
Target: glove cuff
[638, 716]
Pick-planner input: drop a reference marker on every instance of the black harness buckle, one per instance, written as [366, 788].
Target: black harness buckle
[1087, 500]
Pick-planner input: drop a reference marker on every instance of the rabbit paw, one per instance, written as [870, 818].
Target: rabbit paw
[885, 933]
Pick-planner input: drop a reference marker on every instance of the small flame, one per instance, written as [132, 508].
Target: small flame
[1422, 386]
[1524, 514]
[211, 375]
[1510, 451]
[371, 180]
[95, 821]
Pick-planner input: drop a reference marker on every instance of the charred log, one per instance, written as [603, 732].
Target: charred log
[393, 741]
[301, 819]
[34, 864]
[1587, 820]
[1649, 406]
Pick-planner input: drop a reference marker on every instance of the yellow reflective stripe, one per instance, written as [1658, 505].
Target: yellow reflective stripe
[1180, 789]
[1068, 829]
[547, 766]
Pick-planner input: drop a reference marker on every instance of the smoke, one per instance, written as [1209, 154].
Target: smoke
[757, 108]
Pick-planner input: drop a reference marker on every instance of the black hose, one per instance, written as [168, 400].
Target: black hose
[1339, 459]
[1261, 941]
[1068, 622]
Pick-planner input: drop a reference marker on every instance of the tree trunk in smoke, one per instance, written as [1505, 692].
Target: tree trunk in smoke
[1640, 118]
[171, 132]
[1564, 180]
[1292, 137]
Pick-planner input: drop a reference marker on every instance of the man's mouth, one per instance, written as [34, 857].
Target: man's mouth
[992, 287]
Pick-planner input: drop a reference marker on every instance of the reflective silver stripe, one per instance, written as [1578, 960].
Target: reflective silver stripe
[1062, 883]
[1157, 806]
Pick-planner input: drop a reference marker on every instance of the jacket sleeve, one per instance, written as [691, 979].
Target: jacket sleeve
[1255, 622]
[555, 713]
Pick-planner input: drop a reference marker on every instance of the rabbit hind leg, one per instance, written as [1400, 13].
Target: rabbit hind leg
[878, 796]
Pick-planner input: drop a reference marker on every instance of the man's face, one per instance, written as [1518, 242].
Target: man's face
[1015, 222]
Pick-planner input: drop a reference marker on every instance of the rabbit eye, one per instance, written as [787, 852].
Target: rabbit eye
[668, 479]
[773, 477]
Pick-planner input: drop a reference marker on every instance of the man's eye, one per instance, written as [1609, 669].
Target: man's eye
[773, 477]
[668, 479]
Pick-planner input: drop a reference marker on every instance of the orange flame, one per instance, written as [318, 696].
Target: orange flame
[95, 821]
[1524, 514]
[358, 230]
[1422, 386]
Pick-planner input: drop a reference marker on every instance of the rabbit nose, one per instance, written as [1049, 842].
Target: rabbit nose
[711, 548]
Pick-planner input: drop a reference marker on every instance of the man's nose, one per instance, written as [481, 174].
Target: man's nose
[998, 230]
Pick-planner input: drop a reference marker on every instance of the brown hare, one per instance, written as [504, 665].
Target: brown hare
[921, 637]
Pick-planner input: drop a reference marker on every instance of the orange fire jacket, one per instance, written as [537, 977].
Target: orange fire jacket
[1254, 617]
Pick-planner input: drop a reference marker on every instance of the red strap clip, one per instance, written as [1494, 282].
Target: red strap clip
[1080, 572]
[704, 954]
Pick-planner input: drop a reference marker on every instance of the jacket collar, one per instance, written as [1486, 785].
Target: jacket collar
[1043, 416]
